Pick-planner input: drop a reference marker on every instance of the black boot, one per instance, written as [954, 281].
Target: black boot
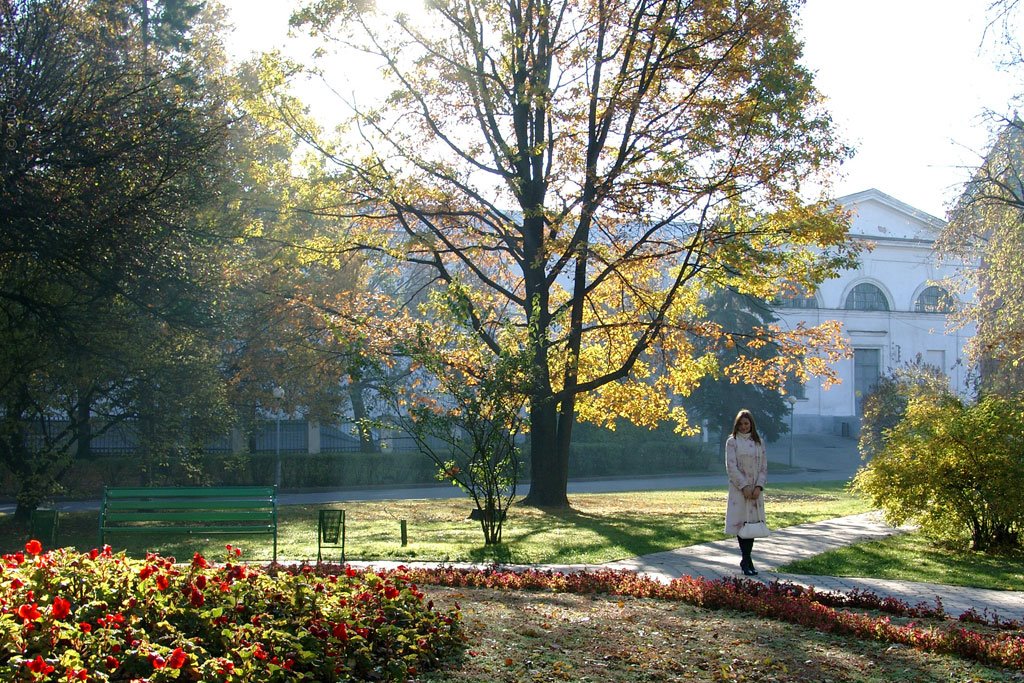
[747, 564]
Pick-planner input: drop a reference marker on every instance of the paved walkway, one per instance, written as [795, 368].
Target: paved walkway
[721, 559]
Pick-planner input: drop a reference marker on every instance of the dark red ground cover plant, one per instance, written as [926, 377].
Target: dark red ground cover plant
[999, 642]
[100, 616]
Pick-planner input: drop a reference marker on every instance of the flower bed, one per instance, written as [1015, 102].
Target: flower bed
[103, 617]
[998, 642]
[98, 616]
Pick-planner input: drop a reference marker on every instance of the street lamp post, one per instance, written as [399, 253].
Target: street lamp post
[279, 395]
[792, 406]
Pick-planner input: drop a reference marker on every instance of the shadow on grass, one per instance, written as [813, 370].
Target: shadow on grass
[570, 534]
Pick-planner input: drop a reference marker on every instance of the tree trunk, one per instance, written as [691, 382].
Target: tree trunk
[549, 460]
[23, 514]
[83, 427]
[367, 444]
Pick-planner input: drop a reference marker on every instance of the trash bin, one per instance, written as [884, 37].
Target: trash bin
[43, 526]
[330, 533]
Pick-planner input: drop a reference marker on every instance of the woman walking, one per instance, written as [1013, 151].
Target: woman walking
[747, 465]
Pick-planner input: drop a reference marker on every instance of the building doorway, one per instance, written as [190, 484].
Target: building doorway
[867, 368]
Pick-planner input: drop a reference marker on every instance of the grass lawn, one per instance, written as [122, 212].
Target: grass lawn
[528, 636]
[598, 528]
[911, 557]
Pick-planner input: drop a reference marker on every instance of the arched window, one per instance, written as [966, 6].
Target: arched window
[796, 300]
[795, 297]
[934, 300]
[866, 297]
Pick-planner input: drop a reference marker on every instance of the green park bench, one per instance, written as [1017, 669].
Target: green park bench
[190, 509]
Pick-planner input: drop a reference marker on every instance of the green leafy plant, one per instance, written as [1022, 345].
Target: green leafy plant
[465, 411]
[955, 469]
[101, 616]
[886, 405]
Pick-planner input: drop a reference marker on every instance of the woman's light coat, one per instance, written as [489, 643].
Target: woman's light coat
[747, 465]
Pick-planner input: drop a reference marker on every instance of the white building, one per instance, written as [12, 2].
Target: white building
[892, 308]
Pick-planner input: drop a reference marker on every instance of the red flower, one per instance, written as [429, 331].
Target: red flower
[162, 582]
[39, 665]
[157, 661]
[60, 608]
[199, 561]
[85, 627]
[177, 659]
[146, 572]
[29, 612]
[33, 547]
[259, 652]
[390, 592]
[196, 598]
[201, 581]
[111, 662]
[81, 674]
[340, 631]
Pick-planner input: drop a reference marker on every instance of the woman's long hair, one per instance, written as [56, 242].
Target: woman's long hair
[753, 425]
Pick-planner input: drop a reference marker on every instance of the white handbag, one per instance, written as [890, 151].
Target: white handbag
[754, 530]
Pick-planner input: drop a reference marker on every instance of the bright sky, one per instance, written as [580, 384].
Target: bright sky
[907, 82]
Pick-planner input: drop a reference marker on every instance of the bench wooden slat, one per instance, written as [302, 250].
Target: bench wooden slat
[190, 509]
[190, 504]
[266, 492]
[195, 516]
[195, 529]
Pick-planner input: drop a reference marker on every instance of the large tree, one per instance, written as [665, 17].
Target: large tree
[303, 315]
[578, 173]
[109, 154]
[986, 227]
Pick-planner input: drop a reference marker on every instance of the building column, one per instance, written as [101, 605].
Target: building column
[313, 437]
[238, 444]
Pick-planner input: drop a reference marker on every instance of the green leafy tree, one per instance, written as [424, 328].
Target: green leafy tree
[584, 171]
[110, 272]
[886, 405]
[719, 397]
[986, 227]
[302, 314]
[466, 415]
[955, 469]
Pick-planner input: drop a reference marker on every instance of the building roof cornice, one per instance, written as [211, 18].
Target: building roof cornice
[872, 194]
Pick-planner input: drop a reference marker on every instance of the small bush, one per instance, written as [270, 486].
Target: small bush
[103, 617]
[955, 469]
[886, 405]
